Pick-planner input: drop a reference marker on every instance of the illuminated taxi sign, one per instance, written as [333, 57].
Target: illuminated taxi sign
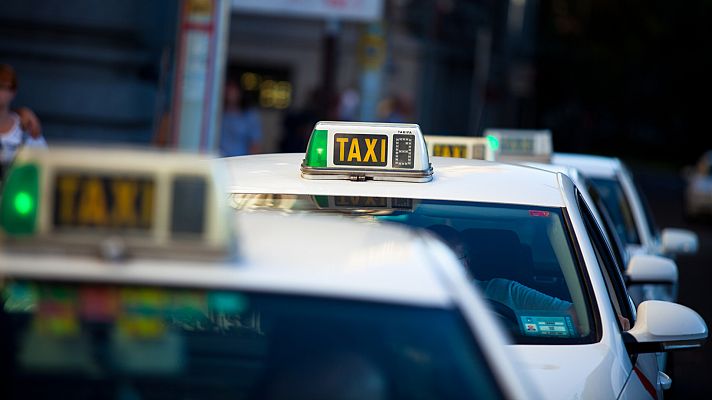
[145, 199]
[514, 145]
[367, 151]
[476, 148]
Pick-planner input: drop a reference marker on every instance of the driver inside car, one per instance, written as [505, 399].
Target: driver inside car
[510, 293]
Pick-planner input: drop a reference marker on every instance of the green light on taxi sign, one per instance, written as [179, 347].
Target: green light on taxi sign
[24, 203]
[18, 205]
[493, 142]
[316, 151]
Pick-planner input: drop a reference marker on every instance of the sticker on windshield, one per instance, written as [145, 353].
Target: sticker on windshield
[538, 325]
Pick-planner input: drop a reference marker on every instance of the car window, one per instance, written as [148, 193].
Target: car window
[112, 341]
[520, 256]
[652, 226]
[615, 284]
[618, 207]
[617, 246]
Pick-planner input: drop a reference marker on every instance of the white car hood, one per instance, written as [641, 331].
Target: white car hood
[573, 371]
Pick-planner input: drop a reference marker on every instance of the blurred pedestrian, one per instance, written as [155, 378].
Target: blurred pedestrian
[13, 133]
[241, 131]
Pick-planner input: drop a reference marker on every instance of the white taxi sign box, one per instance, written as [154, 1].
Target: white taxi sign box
[363, 151]
[114, 200]
[476, 148]
[517, 145]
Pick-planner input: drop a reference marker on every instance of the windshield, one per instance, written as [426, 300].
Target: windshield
[99, 341]
[618, 207]
[519, 256]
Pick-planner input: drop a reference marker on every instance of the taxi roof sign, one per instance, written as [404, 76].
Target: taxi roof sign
[516, 145]
[361, 151]
[82, 198]
[472, 147]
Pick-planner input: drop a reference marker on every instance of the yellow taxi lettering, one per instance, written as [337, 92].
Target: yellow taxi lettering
[124, 199]
[354, 151]
[457, 152]
[370, 150]
[92, 203]
[383, 150]
[67, 189]
[446, 151]
[342, 143]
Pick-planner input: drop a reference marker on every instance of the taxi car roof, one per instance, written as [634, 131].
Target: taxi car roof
[453, 179]
[567, 170]
[594, 166]
[347, 259]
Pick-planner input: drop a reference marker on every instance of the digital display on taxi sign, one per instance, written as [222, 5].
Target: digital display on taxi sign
[403, 151]
[105, 202]
[479, 152]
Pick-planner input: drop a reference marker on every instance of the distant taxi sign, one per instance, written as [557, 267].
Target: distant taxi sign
[476, 148]
[83, 200]
[512, 145]
[363, 151]
[147, 199]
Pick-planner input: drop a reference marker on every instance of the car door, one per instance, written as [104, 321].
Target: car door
[643, 381]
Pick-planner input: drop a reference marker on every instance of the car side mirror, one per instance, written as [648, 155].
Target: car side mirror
[647, 269]
[665, 326]
[679, 241]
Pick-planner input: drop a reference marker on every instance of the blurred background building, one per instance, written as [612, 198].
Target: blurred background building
[594, 72]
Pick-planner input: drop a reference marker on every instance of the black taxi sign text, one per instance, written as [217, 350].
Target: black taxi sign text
[103, 202]
[360, 150]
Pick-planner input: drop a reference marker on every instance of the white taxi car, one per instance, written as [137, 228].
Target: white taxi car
[130, 300]
[628, 209]
[526, 236]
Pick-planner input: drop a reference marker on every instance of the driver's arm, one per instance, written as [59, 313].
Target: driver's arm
[519, 297]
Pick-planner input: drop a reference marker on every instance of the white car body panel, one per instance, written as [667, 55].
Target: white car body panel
[453, 179]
